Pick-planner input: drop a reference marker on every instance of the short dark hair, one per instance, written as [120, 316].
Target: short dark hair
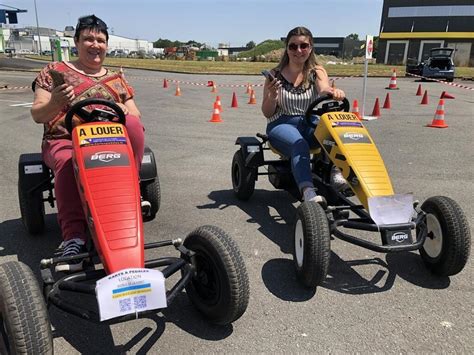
[90, 22]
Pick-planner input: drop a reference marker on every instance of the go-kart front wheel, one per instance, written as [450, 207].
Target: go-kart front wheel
[24, 321]
[220, 287]
[448, 241]
[243, 178]
[312, 245]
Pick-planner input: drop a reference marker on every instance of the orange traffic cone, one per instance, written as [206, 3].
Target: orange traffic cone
[393, 81]
[333, 84]
[214, 88]
[386, 104]
[234, 100]
[249, 89]
[216, 116]
[178, 91]
[445, 95]
[252, 99]
[218, 103]
[419, 92]
[438, 120]
[424, 100]
[376, 110]
[165, 83]
[355, 108]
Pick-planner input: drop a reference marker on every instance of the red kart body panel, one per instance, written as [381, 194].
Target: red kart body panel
[108, 184]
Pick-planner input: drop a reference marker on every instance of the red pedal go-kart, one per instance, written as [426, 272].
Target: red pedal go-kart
[124, 284]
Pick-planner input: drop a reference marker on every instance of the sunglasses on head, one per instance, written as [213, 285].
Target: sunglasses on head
[91, 21]
[302, 46]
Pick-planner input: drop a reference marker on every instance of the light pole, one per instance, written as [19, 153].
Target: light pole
[38, 29]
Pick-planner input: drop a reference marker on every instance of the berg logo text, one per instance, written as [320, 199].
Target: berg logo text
[399, 237]
[105, 157]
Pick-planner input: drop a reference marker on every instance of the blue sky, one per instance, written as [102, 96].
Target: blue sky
[210, 21]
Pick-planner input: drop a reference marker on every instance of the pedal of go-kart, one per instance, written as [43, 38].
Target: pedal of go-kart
[146, 208]
[81, 265]
[348, 192]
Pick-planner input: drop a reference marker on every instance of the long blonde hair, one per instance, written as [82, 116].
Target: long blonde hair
[310, 64]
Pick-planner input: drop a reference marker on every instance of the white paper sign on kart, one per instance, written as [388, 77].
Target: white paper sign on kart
[130, 291]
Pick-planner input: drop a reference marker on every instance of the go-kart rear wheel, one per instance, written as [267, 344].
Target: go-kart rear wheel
[24, 321]
[220, 286]
[243, 178]
[32, 210]
[312, 245]
[151, 192]
[448, 242]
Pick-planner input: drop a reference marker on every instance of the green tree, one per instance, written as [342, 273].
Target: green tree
[376, 46]
[250, 45]
[353, 36]
[162, 43]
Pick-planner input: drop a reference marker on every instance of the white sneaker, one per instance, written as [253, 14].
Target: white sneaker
[337, 181]
[309, 194]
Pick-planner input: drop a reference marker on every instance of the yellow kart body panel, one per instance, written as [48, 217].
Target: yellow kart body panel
[351, 148]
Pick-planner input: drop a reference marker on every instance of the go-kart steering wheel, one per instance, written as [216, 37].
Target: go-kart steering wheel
[331, 106]
[78, 110]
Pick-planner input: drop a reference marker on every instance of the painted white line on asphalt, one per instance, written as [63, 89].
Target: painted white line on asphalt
[24, 104]
[11, 101]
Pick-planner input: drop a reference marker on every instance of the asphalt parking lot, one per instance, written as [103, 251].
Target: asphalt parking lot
[370, 302]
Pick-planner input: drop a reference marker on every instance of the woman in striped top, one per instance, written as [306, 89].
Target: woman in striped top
[298, 81]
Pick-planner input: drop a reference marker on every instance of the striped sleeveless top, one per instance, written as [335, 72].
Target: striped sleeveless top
[293, 101]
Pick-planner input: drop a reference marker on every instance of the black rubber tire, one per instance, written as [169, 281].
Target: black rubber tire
[448, 244]
[312, 244]
[220, 287]
[151, 192]
[243, 178]
[32, 211]
[24, 320]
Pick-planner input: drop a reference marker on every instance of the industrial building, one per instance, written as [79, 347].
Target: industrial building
[409, 29]
[26, 40]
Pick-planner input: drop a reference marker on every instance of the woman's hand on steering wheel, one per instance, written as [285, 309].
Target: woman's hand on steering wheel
[337, 94]
[123, 107]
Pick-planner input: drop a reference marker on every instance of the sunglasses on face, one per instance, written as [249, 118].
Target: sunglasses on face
[302, 46]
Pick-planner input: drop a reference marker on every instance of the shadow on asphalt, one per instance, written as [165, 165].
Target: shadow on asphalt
[275, 215]
[88, 337]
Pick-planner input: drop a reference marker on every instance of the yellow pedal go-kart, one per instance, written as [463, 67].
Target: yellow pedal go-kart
[438, 228]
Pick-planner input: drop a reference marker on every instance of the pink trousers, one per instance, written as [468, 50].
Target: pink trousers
[57, 154]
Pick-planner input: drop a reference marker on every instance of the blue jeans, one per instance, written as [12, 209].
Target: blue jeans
[292, 137]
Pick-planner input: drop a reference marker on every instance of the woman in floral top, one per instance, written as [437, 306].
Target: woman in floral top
[83, 78]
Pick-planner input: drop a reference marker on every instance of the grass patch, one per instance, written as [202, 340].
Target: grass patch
[252, 68]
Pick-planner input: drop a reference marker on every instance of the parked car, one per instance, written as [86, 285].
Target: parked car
[119, 53]
[439, 65]
[25, 51]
